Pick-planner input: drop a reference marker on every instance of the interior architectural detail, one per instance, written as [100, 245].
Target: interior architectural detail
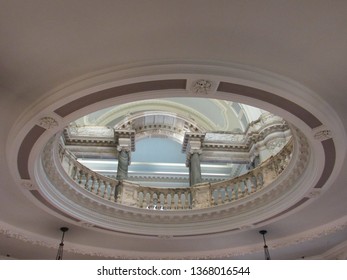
[48, 122]
[202, 86]
[154, 137]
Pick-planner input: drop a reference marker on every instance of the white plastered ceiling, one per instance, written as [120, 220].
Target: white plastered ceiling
[49, 47]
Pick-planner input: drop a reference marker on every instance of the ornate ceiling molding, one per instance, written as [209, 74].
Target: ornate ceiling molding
[202, 86]
[60, 189]
[271, 92]
[308, 235]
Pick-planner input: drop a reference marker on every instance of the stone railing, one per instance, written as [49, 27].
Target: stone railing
[249, 183]
[91, 181]
[202, 195]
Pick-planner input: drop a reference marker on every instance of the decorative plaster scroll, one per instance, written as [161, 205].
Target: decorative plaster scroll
[86, 225]
[246, 227]
[27, 185]
[48, 122]
[315, 193]
[322, 133]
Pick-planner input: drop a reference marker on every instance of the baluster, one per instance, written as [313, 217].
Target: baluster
[102, 188]
[95, 185]
[260, 178]
[92, 186]
[118, 190]
[165, 196]
[140, 199]
[190, 199]
[254, 183]
[280, 164]
[176, 200]
[236, 190]
[229, 193]
[223, 194]
[98, 187]
[241, 188]
[161, 201]
[148, 198]
[169, 200]
[218, 197]
[248, 185]
[276, 167]
[112, 192]
[74, 173]
[154, 200]
[109, 190]
[80, 176]
[69, 170]
[183, 200]
[212, 202]
[61, 153]
[287, 157]
[106, 190]
[215, 195]
[87, 181]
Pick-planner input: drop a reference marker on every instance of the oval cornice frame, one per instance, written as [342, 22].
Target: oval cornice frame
[279, 95]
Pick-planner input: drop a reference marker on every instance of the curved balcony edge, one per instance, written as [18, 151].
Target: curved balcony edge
[203, 195]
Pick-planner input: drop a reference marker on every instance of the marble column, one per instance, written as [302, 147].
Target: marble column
[194, 168]
[192, 146]
[125, 143]
[123, 163]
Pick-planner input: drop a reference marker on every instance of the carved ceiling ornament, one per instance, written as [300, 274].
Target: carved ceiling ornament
[48, 122]
[315, 193]
[202, 86]
[27, 185]
[322, 133]
[86, 225]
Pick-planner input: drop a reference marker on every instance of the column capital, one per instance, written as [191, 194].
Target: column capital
[192, 141]
[123, 148]
[192, 144]
[124, 139]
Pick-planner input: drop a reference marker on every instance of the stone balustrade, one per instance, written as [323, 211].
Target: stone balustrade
[91, 181]
[164, 198]
[254, 180]
[199, 196]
